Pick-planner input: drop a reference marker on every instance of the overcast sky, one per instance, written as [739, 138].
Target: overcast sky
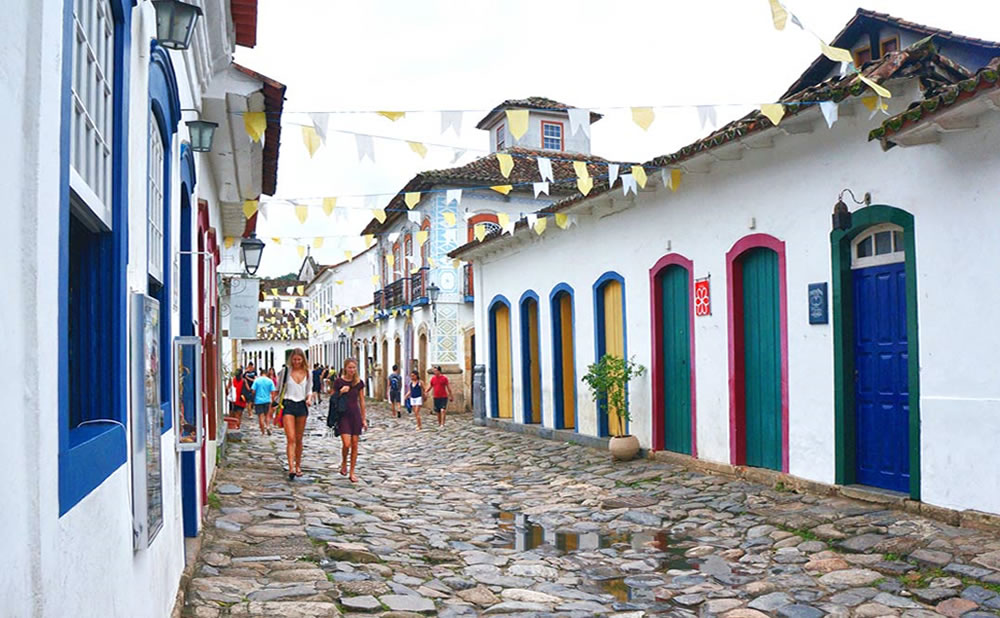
[471, 54]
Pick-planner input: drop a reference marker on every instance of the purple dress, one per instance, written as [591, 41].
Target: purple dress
[350, 421]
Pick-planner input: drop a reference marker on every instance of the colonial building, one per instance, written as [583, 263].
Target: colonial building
[847, 352]
[450, 206]
[282, 324]
[115, 326]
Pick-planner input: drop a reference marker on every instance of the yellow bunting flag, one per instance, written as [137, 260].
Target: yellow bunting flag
[880, 90]
[774, 112]
[393, 116]
[375, 279]
[506, 164]
[411, 199]
[301, 211]
[580, 167]
[872, 103]
[300, 290]
[639, 173]
[449, 218]
[228, 241]
[379, 213]
[302, 250]
[276, 240]
[540, 224]
[390, 259]
[414, 268]
[503, 219]
[778, 14]
[422, 237]
[255, 123]
[318, 242]
[369, 240]
[562, 220]
[339, 282]
[430, 261]
[311, 140]
[329, 203]
[675, 179]
[249, 208]
[585, 184]
[505, 189]
[643, 116]
[517, 122]
[349, 255]
[456, 263]
[418, 148]
[479, 231]
[837, 54]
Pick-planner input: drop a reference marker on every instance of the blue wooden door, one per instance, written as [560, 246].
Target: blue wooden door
[882, 409]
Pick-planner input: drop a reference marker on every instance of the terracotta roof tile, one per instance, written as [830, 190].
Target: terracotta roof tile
[539, 103]
[244, 21]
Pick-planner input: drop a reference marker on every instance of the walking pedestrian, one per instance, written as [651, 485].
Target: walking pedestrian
[295, 402]
[441, 391]
[395, 389]
[263, 396]
[237, 400]
[416, 395]
[353, 420]
[249, 375]
[317, 382]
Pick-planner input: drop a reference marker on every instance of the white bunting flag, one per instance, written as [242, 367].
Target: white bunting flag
[707, 117]
[262, 209]
[612, 174]
[545, 168]
[453, 195]
[532, 218]
[413, 216]
[629, 184]
[579, 119]
[458, 155]
[452, 120]
[540, 187]
[393, 237]
[366, 147]
[795, 20]
[830, 112]
[320, 122]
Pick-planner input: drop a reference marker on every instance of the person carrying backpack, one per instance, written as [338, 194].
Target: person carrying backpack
[395, 390]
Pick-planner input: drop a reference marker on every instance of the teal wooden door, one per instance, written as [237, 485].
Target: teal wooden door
[761, 358]
[676, 350]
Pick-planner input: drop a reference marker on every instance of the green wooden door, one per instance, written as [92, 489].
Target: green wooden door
[762, 358]
[676, 350]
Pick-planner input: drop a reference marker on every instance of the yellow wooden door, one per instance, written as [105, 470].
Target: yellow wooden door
[614, 340]
[536, 373]
[568, 354]
[505, 407]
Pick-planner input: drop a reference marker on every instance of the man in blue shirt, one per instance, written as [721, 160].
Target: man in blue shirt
[263, 389]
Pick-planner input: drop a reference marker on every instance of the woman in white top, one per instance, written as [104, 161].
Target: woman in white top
[295, 401]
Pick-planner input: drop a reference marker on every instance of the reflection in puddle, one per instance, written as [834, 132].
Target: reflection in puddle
[617, 588]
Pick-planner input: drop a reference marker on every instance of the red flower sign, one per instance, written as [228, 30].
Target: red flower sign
[702, 298]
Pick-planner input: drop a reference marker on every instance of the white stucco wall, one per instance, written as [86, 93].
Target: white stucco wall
[788, 192]
[532, 138]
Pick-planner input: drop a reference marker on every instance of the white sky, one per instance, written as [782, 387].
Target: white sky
[472, 54]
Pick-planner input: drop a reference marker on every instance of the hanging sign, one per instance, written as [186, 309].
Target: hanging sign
[243, 305]
[818, 313]
[702, 297]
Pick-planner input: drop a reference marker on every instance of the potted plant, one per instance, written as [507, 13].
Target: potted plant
[608, 381]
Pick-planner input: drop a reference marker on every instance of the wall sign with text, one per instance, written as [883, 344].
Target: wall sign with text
[818, 312]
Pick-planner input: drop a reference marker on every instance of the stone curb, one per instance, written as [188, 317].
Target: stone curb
[968, 518]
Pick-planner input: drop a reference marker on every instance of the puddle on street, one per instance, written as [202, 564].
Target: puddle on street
[617, 588]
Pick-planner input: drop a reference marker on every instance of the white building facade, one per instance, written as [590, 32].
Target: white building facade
[120, 225]
[847, 353]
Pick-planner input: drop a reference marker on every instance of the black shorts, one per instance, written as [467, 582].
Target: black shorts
[295, 408]
[261, 408]
[394, 396]
[440, 403]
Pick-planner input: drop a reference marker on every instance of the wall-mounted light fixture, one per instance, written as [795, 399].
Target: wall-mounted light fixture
[175, 22]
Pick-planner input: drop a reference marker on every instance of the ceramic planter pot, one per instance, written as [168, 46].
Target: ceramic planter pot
[623, 448]
[233, 422]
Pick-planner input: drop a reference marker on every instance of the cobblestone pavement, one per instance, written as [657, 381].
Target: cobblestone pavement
[473, 521]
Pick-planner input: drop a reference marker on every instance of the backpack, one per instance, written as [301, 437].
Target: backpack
[248, 394]
[394, 382]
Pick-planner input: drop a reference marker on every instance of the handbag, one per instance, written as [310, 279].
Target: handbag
[338, 406]
[279, 414]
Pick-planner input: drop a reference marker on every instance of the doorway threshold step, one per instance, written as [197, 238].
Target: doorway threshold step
[874, 494]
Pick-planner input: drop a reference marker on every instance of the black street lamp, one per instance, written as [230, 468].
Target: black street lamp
[175, 22]
[252, 248]
[433, 291]
[202, 132]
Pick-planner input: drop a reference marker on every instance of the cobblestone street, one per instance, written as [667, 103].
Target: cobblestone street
[470, 521]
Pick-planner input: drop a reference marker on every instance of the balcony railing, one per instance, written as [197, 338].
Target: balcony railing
[418, 286]
[467, 283]
[396, 294]
[379, 301]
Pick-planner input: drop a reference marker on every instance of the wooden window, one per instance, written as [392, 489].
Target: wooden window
[490, 220]
[154, 195]
[425, 248]
[500, 138]
[887, 45]
[862, 55]
[552, 135]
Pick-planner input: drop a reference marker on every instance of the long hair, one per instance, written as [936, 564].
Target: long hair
[357, 371]
[298, 352]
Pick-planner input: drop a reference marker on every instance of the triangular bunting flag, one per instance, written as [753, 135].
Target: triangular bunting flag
[628, 184]
[585, 184]
[675, 179]
[418, 148]
[329, 203]
[506, 164]
[421, 237]
[411, 199]
[453, 195]
[349, 255]
[249, 208]
[707, 116]
[540, 225]
[379, 214]
[540, 187]
[639, 174]
[517, 122]
[302, 251]
[505, 189]
[366, 147]
[580, 168]
[311, 139]
[774, 112]
[643, 116]
[369, 240]
[778, 15]
[228, 241]
[879, 90]
[562, 220]
[612, 174]
[545, 168]
[449, 218]
[837, 54]
[479, 231]
[255, 124]
[301, 212]
[579, 119]
[318, 242]
[452, 119]
[831, 112]
[393, 116]
[320, 122]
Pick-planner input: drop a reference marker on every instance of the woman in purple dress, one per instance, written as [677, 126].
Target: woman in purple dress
[352, 422]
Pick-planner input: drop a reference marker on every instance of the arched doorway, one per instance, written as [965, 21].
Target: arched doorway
[501, 383]
[876, 371]
[531, 367]
[609, 327]
[422, 355]
[758, 353]
[397, 354]
[563, 357]
[671, 282]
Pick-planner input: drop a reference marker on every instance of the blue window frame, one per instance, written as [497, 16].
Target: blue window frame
[92, 326]
[552, 135]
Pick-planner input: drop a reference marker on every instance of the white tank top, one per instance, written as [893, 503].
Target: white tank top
[295, 391]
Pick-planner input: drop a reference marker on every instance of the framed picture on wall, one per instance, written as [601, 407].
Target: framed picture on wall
[147, 421]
